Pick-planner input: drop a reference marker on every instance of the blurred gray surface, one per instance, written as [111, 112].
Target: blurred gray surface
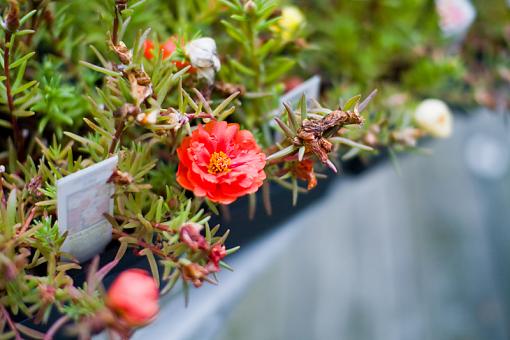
[421, 256]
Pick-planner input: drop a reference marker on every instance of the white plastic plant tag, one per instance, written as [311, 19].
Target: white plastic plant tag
[82, 199]
[309, 88]
[455, 16]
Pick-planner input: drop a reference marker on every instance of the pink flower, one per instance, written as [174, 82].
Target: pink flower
[134, 297]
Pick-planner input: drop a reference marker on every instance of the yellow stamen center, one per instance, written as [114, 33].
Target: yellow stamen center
[219, 163]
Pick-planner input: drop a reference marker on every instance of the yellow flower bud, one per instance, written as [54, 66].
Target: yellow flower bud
[290, 21]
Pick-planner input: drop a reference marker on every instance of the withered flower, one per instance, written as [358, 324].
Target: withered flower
[313, 133]
[141, 87]
[33, 186]
[304, 170]
[120, 177]
[125, 55]
[195, 273]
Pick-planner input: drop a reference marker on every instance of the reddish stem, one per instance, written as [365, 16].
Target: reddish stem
[158, 226]
[27, 221]
[55, 327]
[144, 244]
[10, 323]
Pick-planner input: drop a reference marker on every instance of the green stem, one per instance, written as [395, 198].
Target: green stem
[257, 118]
[18, 138]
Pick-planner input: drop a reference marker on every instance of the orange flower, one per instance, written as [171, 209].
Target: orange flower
[220, 162]
[134, 297]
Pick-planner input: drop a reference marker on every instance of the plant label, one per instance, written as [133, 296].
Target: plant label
[82, 199]
[310, 88]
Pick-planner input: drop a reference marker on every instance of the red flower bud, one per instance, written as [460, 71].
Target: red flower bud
[148, 46]
[134, 297]
[217, 253]
[167, 48]
[190, 235]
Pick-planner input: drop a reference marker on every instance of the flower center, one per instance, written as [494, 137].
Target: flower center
[219, 163]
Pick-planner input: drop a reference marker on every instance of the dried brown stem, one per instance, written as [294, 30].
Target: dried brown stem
[115, 30]
[118, 133]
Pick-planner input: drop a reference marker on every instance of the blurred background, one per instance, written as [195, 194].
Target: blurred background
[423, 255]
[416, 250]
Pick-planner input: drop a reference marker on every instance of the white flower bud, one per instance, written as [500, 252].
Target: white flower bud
[434, 117]
[455, 16]
[204, 57]
[150, 117]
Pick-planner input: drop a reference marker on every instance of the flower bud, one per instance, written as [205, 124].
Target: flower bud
[290, 21]
[434, 117]
[250, 7]
[121, 4]
[134, 297]
[204, 57]
[455, 16]
[189, 234]
[217, 253]
[166, 49]
[12, 20]
[148, 118]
